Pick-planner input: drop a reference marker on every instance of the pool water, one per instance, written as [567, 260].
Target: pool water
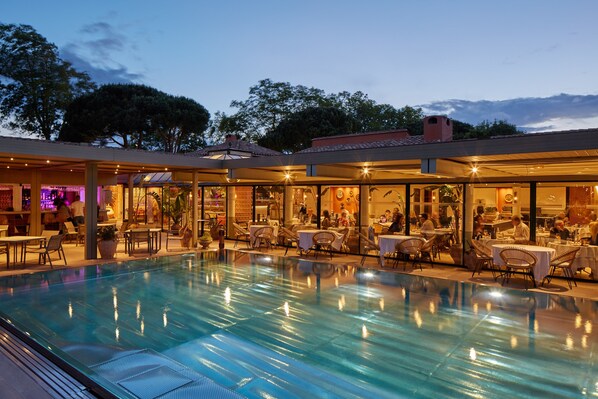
[258, 326]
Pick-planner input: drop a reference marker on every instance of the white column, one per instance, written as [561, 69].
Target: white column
[35, 217]
[130, 201]
[364, 209]
[288, 204]
[230, 209]
[195, 205]
[17, 197]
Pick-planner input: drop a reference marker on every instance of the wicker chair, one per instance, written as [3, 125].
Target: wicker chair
[241, 233]
[322, 242]
[263, 237]
[429, 250]
[368, 245]
[484, 258]
[289, 238]
[563, 262]
[518, 260]
[408, 250]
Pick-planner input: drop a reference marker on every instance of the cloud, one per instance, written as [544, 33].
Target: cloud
[559, 112]
[95, 53]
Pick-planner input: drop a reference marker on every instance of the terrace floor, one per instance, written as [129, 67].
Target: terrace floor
[17, 379]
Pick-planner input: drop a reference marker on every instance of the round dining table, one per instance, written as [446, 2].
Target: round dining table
[542, 254]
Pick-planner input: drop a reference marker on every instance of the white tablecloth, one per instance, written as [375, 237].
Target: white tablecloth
[388, 243]
[306, 236]
[542, 254]
[587, 256]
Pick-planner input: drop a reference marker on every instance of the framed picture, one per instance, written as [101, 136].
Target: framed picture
[340, 194]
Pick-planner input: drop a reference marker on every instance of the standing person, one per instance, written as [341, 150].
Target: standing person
[77, 210]
[62, 214]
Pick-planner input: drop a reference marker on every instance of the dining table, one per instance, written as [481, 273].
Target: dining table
[14, 241]
[306, 239]
[587, 255]
[155, 238]
[543, 257]
[388, 243]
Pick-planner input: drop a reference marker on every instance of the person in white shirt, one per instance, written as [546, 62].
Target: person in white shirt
[78, 211]
[426, 224]
[520, 229]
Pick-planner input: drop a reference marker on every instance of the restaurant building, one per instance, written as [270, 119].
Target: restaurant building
[469, 188]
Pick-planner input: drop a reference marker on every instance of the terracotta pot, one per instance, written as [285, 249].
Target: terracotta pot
[107, 248]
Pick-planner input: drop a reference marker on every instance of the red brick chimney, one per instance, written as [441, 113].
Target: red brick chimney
[437, 128]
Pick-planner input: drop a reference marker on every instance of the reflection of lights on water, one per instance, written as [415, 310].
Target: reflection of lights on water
[472, 354]
[164, 319]
[336, 282]
[190, 284]
[227, 295]
[536, 326]
[588, 327]
[189, 264]
[146, 276]
[114, 298]
[496, 294]
[578, 320]
[403, 293]
[364, 331]
[207, 279]
[115, 315]
[142, 327]
[70, 310]
[138, 310]
[117, 333]
[584, 341]
[432, 307]
[212, 277]
[308, 282]
[417, 317]
[286, 309]
[368, 275]
[569, 342]
[381, 303]
[340, 305]
[488, 306]
[475, 308]
[513, 341]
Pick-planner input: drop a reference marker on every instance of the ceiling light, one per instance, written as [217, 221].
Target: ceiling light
[47, 161]
[365, 170]
[287, 176]
[12, 159]
[474, 170]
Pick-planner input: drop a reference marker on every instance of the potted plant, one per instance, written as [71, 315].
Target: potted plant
[205, 240]
[107, 241]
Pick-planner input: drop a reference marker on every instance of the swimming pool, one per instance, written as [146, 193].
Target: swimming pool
[259, 326]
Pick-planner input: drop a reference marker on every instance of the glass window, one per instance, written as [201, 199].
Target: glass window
[437, 213]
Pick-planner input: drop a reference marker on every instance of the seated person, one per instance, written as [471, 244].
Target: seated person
[397, 223]
[559, 230]
[520, 229]
[326, 222]
[344, 221]
[426, 224]
[309, 217]
[594, 233]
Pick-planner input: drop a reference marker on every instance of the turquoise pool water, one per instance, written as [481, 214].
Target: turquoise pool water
[262, 327]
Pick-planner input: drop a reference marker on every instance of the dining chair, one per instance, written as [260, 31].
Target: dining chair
[563, 262]
[71, 231]
[181, 236]
[80, 234]
[136, 237]
[241, 233]
[322, 242]
[484, 258]
[4, 250]
[54, 244]
[518, 260]
[407, 250]
[429, 250]
[263, 237]
[367, 246]
[290, 237]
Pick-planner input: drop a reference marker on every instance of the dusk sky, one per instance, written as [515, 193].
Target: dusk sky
[474, 60]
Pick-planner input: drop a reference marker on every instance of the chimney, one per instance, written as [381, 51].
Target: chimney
[230, 137]
[437, 128]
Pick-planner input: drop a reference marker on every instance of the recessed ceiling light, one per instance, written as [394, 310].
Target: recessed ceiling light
[12, 159]
[26, 164]
[47, 161]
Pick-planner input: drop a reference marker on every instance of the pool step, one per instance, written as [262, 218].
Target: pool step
[255, 371]
[57, 383]
[148, 375]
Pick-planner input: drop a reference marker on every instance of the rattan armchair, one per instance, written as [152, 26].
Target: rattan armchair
[563, 262]
[518, 260]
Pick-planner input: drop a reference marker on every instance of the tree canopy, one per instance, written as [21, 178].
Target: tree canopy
[296, 131]
[483, 130]
[36, 85]
[136, 116]
[271, 104]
